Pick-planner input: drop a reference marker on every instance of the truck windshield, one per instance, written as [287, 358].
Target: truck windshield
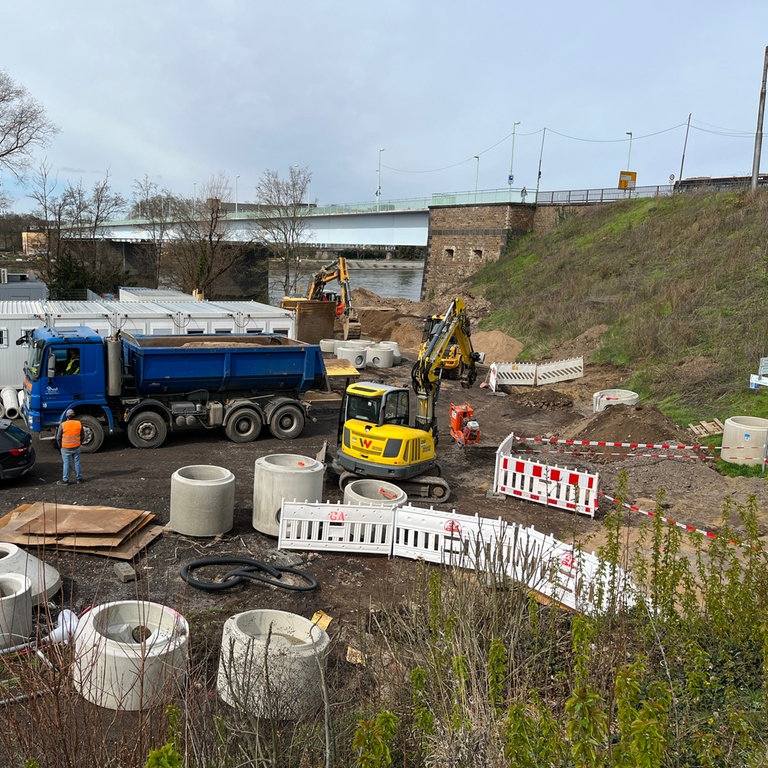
[36, 363]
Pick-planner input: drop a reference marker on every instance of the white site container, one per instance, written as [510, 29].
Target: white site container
[745, 440]
[130, 654]
[272, 664]
[45, 579]
[376, 493]
[607, 397]
[283, 476]
[15, 609]
[202, 500]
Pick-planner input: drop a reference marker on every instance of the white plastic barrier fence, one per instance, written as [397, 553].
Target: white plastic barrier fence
[512, 375]
[552, 486]
[559, 370]
[552, 568]
[534, 374]
[324, 525]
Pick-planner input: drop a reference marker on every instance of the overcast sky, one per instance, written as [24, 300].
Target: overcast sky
[182, 90]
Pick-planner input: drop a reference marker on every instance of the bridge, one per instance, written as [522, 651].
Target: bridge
[384, 224]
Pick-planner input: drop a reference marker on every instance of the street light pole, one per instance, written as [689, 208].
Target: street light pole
[629, 155]
[236, 194]
[541, 156]
[194, 197]
[477, 174]
[378, 182]
[511, 177]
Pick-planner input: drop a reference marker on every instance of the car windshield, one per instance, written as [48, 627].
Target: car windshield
[34, 365]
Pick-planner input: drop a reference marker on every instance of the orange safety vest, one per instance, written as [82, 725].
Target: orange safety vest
[70, 433]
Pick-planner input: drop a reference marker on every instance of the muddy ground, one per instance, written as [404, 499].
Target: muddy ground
[121, 476]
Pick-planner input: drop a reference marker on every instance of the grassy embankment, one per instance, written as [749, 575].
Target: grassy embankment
[682, 283]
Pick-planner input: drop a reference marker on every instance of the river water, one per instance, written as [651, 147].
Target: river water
[390, 279]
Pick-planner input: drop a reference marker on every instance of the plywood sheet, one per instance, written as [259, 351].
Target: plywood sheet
[62, 519]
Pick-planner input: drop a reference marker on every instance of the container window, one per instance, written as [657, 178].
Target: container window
[3, 338]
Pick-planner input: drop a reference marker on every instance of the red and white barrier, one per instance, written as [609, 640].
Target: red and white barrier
[552, 486]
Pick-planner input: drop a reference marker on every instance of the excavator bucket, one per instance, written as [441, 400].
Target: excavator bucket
[351, 327]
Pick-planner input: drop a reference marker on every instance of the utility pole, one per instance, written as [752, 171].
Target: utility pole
[759, 132]
[541, 155]
[685, 145]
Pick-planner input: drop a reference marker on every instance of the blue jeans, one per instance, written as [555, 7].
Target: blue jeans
[74, 454]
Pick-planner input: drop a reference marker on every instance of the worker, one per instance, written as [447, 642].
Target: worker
[73, 366]
[69, 437]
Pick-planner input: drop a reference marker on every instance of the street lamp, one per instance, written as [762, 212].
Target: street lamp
[477, 173]
[236, 194]
[629, 156]
[511, 177]
[378, 182]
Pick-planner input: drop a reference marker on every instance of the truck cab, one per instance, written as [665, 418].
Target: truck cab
[65, 369]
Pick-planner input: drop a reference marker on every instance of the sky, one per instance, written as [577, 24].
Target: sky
[420, 97]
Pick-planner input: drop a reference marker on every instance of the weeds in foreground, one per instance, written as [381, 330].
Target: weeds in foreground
[477, 673]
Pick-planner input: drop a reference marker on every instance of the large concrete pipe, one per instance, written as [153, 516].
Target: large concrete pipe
[10, 402]
[745, 440]
[15, 609]
[202, 500]
[283, 476]
[372, 492]
[379, 356]
[45, 579]
[272, 663]
[130, 654]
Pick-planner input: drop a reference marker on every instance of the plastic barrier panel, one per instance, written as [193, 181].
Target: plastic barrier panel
[336, 527]
[551, 568]
[560, 370]
[515, 374]
[551, 486]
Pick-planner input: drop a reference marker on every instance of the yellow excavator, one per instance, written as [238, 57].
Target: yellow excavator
[376, 439]
[345, 312]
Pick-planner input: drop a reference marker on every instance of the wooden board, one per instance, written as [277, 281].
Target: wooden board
[61, 519]
[123, 544]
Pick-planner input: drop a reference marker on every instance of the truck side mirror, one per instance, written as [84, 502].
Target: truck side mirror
[51, 369]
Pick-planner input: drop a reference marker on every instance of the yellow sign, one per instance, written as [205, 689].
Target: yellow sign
[627, 179]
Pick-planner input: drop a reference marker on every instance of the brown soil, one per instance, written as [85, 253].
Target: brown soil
[120, 476]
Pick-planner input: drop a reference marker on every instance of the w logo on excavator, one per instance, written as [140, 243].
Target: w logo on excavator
[366, 442]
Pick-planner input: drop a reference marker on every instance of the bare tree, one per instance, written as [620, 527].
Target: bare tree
[153, 205]
[23, 125]
[198, 252]
[282, 220]
[77, 256]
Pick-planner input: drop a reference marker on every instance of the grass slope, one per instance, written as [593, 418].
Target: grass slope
[682, 283]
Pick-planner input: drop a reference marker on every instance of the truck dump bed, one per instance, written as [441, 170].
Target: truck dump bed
[254, 362]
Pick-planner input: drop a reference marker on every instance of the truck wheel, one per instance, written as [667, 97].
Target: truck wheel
[93, 434]
[147, 430]
[244, 425]
[287, 421]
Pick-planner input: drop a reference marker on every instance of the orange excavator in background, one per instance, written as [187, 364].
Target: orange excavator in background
[336, 270]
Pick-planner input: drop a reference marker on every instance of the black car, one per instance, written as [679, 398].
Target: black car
[17, 456]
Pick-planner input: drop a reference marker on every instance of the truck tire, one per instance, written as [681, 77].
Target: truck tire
[147, 430]
[93, 434]
[243, 426]
[287, 421]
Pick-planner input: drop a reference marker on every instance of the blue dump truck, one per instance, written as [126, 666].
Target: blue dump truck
[152, 385]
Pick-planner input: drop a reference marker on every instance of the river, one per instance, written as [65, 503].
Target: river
[390, 279]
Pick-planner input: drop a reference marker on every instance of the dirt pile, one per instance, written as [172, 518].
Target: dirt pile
[402, 321]
[630, 424]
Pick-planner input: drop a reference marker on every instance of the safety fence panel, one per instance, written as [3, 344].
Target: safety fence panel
[512, 375]
[440, 537]
[560, 370]
[552, 486]
[336, 527]
[500, 550]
